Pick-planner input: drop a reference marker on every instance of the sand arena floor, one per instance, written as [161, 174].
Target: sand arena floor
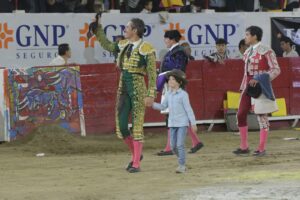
[93, 168]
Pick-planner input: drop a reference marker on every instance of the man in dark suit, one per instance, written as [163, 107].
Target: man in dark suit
[175, 58]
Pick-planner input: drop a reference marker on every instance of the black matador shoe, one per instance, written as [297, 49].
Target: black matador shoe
[130, 163]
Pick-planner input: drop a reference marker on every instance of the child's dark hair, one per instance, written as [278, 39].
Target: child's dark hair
[179, 76]
[63, 48]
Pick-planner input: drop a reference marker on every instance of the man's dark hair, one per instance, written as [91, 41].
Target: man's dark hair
[242, 43]
[146, 2]
[221, 41]
[63, 48]
[139, 25]
[286, 40]
[255, 30]
[173, 35]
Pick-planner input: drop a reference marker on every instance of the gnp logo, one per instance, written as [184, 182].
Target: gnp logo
[197, 34]
[6, 35]
[36, 36]
[83, 38]
[110, 30]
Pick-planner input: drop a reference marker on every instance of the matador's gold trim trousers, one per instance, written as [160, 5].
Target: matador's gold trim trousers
[130, 100]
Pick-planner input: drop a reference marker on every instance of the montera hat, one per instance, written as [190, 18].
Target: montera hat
[178, 75]
[255, 91]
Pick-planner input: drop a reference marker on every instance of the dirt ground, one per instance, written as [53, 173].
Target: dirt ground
[93, 168]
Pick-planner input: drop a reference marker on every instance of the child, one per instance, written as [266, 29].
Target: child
[180, 114]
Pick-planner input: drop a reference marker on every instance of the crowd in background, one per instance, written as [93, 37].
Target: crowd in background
[136, 6]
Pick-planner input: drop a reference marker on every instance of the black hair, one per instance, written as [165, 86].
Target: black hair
[179, 76]
[221, 41]
[242, 43]
[63, 48]
[173, 35]
[255, 30]
[286, 40]
[146, 2]
[139, 25]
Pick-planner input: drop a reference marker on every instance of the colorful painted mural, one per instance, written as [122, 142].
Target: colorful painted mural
[38, 96]
[4, 108]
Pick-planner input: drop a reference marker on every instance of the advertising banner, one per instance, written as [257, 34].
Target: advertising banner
[28, 40]
[288, 27]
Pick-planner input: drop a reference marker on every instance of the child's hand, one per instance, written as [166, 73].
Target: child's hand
[194, 128]
[149, 101]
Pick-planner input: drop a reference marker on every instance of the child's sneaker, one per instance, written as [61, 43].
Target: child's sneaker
[181, 169]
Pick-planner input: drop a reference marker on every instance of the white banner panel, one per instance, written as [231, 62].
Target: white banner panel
[28, 40]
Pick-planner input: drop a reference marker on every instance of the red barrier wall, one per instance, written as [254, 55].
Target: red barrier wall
[208, 83]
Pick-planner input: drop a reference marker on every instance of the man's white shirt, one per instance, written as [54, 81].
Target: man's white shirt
[59, 60]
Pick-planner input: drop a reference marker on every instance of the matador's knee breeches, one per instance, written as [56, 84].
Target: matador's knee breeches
[263, 121]
[130, 100]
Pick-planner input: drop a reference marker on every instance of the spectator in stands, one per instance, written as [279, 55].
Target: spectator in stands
[64, 54]
[156, 6]
[242, 49]
[192, 6]
[74, 5]
[188, 51]
[287, 47]
[221, 54]
[56, 6]
[6, 6]
[269, 5]
[242, 5]
[77, 6]
[132, 6]
[33, 6]
[175, 58]
[291, 4]
[261, 67]
[172, 6]
[148, 4]
[217, 5]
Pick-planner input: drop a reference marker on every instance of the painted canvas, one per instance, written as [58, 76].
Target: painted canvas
[44, 95]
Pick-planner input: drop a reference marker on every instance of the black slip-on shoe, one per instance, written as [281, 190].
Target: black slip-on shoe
[259, 153]
[240, 151]
[196, 148]
[165, 153]
[134, 170]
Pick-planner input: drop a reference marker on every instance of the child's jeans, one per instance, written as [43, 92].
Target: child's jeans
[177, 140]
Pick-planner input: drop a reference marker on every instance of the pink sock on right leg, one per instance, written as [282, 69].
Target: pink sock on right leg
[194, 137]
[262, 139]
[168, 146]
[129, 141]
[138, 148]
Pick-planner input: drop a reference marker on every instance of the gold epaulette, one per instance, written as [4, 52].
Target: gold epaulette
[122, 43]
[146, 49]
